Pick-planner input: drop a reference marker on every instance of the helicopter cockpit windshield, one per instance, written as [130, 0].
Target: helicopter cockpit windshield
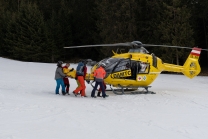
[110, 63]
[138, 50]
[121, 66]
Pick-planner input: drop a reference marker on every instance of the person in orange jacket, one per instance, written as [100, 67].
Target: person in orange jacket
[99, 75]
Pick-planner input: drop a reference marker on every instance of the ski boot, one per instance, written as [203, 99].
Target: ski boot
[63, 93]
[98, 94]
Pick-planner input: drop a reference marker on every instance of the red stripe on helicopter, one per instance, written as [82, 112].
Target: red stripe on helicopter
[196, 51]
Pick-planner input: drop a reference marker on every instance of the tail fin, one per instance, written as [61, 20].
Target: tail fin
[191, 66]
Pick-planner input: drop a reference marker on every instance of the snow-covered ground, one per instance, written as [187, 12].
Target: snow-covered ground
[29, 108]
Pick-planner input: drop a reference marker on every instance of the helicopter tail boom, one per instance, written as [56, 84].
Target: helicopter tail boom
[191, 67]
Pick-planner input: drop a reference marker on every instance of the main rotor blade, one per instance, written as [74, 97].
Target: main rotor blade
[100, 45]
[152, 45]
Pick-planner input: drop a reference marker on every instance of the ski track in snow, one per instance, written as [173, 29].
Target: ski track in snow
[29, 108]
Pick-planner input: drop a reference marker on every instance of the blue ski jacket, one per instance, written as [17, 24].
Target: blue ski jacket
[79, 69]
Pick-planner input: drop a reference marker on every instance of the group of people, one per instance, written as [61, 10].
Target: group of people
[81, 71]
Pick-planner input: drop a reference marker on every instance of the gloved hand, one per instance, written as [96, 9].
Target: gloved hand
[72, 69]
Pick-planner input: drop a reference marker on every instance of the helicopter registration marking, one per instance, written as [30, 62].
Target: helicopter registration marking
[141, 78]
[121, 74]
[144, 78]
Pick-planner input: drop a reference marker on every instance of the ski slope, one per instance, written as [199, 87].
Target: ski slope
[29, 108]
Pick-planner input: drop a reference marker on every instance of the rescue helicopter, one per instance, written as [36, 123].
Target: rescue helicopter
[137, 68]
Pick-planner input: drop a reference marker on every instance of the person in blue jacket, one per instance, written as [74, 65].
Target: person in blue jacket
[59, 75]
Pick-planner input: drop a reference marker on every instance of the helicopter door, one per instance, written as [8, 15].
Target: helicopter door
[134, 69]
[154, 60]
[138, 67]
[122, 69]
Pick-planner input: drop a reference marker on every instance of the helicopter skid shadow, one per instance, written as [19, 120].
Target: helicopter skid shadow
[133, 93]
[142, 92]
[130, 90]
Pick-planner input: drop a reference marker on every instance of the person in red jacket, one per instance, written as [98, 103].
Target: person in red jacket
[66, 80]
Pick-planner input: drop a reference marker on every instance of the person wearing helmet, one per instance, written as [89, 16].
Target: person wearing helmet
[99, 75]
[59, 75]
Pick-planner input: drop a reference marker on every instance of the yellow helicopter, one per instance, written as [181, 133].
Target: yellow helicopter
[137, 68]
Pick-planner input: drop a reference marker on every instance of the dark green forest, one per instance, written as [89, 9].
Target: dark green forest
[37, 30]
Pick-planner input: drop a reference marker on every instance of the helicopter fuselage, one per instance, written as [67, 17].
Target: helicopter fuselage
[136, 69]
[142, 71]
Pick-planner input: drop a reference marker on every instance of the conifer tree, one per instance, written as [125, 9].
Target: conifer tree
[59, 32]
[148, 20]
[200, 24]
[4, 18]
[175, 30]
[26, 35]
[52, 30]
[117, 22]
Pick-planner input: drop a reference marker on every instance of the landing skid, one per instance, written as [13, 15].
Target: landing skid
[132, 90]
[121, 90]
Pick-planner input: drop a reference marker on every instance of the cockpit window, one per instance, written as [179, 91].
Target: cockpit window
[123, 65]
[110, 67]
[110, 63]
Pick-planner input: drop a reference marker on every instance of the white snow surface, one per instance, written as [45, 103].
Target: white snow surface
[29, 108]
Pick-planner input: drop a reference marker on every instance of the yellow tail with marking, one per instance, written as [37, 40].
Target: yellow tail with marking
[191, 67]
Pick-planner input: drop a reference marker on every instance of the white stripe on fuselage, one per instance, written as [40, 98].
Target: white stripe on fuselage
[155, 72]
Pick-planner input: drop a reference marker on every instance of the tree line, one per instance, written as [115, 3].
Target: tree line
[37, 30]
